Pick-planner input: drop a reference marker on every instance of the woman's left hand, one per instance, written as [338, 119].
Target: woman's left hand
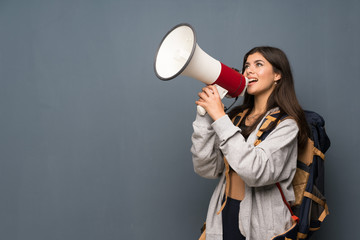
[211, 102]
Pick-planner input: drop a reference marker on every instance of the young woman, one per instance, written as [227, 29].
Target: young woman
[253, 208]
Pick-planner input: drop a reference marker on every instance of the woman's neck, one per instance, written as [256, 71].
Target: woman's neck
[260, 103]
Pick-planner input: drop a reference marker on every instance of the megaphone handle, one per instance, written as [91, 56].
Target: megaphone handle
[222, 93]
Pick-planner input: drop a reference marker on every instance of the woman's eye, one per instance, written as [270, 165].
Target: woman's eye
[259, 64]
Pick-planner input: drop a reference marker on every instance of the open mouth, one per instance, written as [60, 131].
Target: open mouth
[252, 80]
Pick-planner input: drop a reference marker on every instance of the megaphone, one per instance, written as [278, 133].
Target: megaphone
[179, 54]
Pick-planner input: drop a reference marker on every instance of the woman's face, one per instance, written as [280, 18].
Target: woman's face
[261, 75]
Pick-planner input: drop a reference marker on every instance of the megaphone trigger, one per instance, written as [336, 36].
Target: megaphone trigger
[222, 93]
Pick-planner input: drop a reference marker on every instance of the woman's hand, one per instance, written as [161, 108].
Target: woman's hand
[211, 102]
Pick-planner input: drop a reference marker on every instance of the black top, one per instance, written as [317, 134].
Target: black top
[243, 127]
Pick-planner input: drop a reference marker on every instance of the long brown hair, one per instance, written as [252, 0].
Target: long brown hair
[283, 95]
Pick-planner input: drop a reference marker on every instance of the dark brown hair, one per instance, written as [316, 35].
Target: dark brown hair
[283, 95]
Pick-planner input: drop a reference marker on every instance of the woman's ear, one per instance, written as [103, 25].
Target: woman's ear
[277, 76]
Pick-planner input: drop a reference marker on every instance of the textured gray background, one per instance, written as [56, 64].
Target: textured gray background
[94, 146]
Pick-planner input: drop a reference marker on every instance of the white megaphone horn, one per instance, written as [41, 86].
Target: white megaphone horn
[179, 54]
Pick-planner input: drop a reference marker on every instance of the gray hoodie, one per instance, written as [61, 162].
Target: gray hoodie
[263, 213]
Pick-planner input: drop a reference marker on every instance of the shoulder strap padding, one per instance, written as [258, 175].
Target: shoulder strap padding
[267, 121]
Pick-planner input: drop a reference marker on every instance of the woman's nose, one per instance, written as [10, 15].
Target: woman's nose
[249, 71]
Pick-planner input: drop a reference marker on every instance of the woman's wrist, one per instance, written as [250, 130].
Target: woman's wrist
[218, 115]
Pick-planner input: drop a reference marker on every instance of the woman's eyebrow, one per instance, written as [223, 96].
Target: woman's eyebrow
[256, 61]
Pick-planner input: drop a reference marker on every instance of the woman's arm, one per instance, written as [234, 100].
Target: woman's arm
[207, 158]
[273, 160]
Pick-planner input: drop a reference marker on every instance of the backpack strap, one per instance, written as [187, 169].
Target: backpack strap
[320, 202]
[268, 120]
[293, 216]
[262, 134]
[319, 153]
[227, 166]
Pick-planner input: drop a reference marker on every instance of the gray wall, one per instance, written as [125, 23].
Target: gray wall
[94, 146]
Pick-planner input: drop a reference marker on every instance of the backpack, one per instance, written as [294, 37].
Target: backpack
[310, 208]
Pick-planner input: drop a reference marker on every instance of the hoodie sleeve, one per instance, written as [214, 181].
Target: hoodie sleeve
[207, 158]
[273, 160]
